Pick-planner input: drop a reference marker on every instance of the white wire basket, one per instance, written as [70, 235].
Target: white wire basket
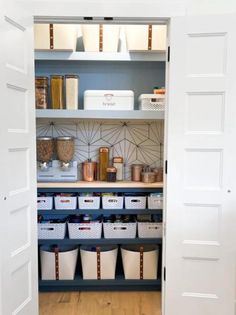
[155, 202]
[89, 203]
[51, 230]
[119, 230]
[65, 203]
[44, 203]
[92, 230]
[112, 202]
[150, 229]
[135, 202]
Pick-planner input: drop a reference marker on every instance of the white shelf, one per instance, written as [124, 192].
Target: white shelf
[100, 56]
[99, 114]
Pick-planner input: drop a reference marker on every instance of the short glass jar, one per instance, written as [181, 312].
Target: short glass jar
[111, 174]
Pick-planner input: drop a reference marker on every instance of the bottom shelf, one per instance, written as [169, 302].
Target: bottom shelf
[118, 284]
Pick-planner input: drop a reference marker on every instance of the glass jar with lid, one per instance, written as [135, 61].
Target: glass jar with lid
[41, 92]
[57, 95]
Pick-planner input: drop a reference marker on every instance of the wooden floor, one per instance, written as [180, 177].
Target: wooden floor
[100, 303]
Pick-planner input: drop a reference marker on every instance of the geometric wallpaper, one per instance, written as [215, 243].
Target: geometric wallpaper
[137, 142]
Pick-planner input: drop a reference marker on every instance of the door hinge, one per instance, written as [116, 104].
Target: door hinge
[166, 166]
[164, 275]
[168, 54]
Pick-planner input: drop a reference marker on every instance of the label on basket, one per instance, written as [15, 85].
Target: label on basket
[112, 200]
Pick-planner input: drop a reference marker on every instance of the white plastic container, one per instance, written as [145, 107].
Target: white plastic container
[89, 203]
[155, 202]
[44, 203]
[112, 202]
[67, 259]
[137, 37]
[51, 230]
[132, 261]
[109, 100]
[152, 102]
[63, 37]
[92, 230]
[150, 229]
[101, 38]
[72, 92]
[119, 230]
[135, 202]
[65, 203]
[91, 261]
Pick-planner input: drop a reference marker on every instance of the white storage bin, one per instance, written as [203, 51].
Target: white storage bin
[44, 203]
[85, 230]
[152, 102]
[99, 262]
[65, 203]
[64, 269]
[51, 230]
[108, 100]
[119, 230]
[64, 37]
[155, 202]
[89, 203]
[135, 202]
[112, 202]
[137, 265]
[150, 229]
[101, 38]
[137, 37]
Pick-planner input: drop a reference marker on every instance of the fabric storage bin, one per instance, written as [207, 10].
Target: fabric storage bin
[99, 262]
[146, 37]
[112, 202]
[135, 202]
[140, 262]
[152, 102]
[119, 230]
[89, 202]
[65, 203]
[155, 202]
[51, 230]
[109, 100]
[58, 263]
[150, 229]
[55, 37]
[85, 230]
[44, 203]
[100, 37]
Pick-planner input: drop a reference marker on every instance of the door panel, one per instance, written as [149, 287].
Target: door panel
[201, 195]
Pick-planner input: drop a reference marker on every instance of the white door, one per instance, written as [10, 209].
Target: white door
[18, 233]
[201, 152]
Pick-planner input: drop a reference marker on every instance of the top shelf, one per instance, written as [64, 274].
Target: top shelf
[100, 56]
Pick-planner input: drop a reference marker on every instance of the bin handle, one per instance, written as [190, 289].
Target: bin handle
[88, 200]
[47, 228]
[120, 228]
[153, 227]
[84, 228]
[135, 200]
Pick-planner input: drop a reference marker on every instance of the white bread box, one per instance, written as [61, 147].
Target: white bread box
[146, 37]
[100, 37]
[152, 102]
[63, 37]
[109, 100]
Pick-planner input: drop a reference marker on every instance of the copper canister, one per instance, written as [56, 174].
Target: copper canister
[136, 171]
[89, 171]
[57, 96]
[103, 163]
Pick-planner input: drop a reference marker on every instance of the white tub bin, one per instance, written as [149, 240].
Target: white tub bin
[58, 262]
[109, 100]
[101, 37]
[140, 262]
[152, 102]
[99, 262]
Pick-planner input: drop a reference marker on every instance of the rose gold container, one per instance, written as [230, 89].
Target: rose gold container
[136, 171]
[89, 171]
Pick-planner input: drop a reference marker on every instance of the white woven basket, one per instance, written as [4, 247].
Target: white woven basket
[44, 203]
[90, 230]
[65, 203]
[89, 203]
[155, 202]
[51, 230]
[135, 202]
[150, 229]
[120, 230]
[112, 202]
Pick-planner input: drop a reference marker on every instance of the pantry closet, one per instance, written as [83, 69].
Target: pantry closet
[197, 244]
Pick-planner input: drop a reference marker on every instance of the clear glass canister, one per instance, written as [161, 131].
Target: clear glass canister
[119, 165]
[57, 95]
[72, 91]
[41, 92]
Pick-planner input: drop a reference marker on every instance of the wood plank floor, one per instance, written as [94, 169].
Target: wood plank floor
[100, 303]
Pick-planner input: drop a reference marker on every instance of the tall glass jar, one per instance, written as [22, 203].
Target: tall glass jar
[57, 95]
[41, 92]
[72, 91]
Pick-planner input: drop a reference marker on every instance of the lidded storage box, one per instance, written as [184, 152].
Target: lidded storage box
[109, 100]
[152, 102]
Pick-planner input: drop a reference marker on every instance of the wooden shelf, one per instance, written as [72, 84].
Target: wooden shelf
[100, 114]
[100, 211]
[100, 56]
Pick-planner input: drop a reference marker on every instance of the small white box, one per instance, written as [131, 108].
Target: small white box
[91, 261]
[112, 202]
[109, 100]
[135, 202]
[44, 203]
[155, 202]
[67, 259]
[152, 102]
[65, 203]
[150, 229]
[89, 203]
